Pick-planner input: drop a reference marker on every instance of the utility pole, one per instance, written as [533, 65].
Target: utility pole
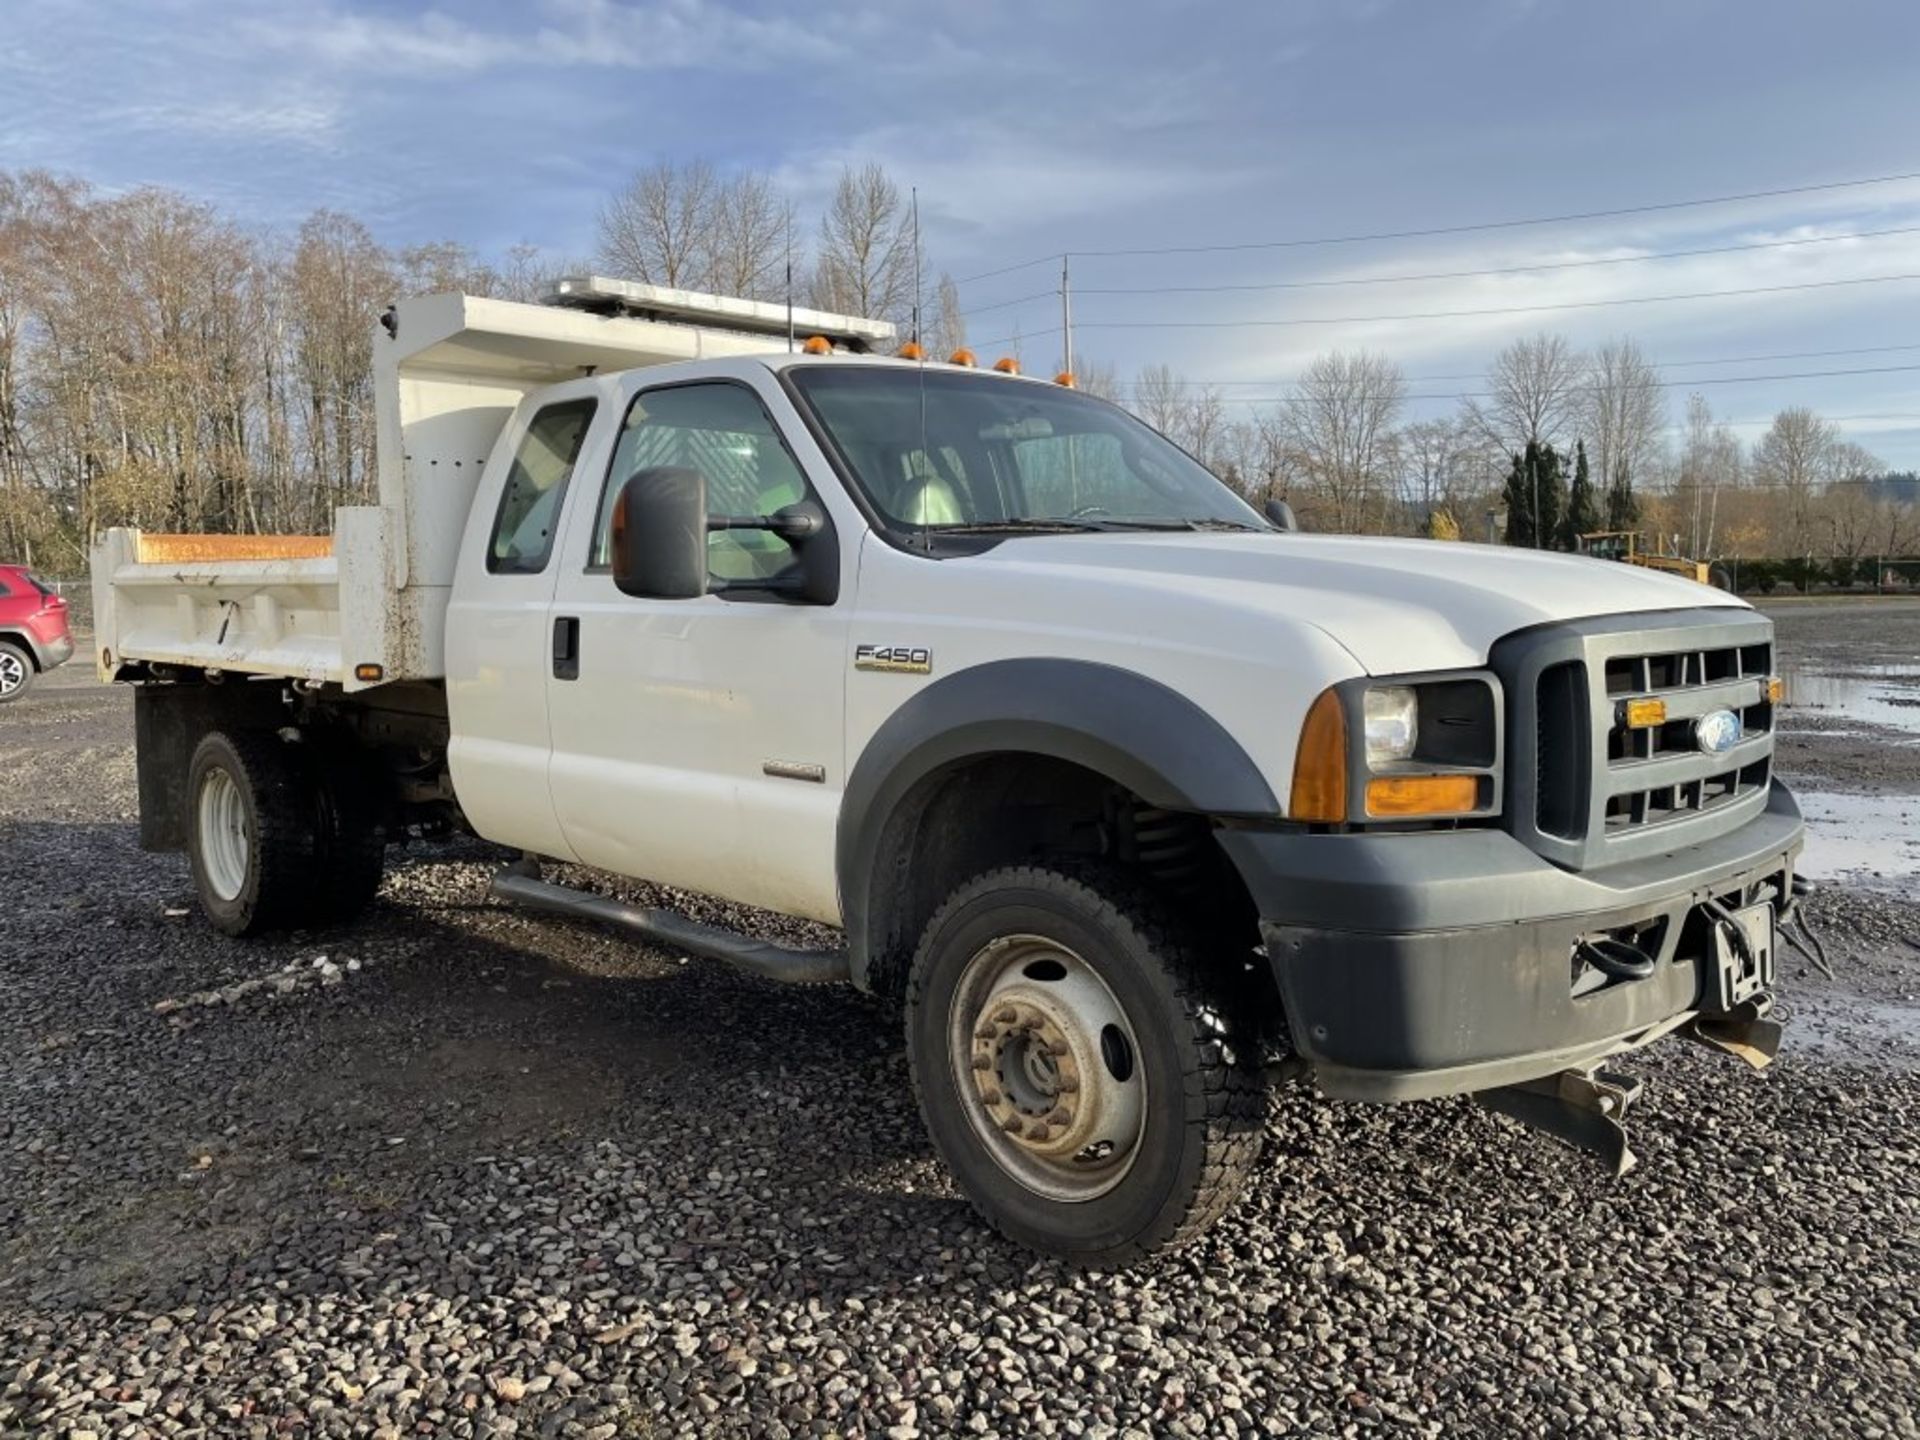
[1066, 314]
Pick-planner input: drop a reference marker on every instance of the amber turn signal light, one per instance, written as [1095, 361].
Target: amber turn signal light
[368, 674]
[818, 345]
[1407, 795]
[1645, 714]
[1320, 765]
[1776, 690]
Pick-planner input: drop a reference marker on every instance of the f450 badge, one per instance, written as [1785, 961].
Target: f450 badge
[899, 659]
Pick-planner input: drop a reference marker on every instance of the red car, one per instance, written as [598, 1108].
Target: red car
[33, 631]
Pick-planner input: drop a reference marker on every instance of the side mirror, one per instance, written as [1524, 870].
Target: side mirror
[1280, 515]
[660, 534]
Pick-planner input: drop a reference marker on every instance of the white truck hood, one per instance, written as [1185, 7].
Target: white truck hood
[1395, 605]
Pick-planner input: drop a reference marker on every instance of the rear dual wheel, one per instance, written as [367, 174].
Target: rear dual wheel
[280, 835]
[1077, 1068]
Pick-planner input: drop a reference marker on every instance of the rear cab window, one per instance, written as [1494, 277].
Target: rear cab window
[530, 501]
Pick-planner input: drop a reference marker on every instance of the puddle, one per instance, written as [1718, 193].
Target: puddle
[1883, 695]
[1874, 1031]
[1872, 841]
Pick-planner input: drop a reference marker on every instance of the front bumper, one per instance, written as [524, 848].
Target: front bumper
[1415, 965]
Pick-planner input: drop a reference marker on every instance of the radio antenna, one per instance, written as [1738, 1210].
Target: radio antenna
[789, 230]
[920, 363]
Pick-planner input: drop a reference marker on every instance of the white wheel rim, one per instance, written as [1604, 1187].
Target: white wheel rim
[1047, 1067]
[224, 841]
[13, 673]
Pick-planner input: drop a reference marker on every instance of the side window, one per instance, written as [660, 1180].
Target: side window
[722, 431]
[530, 501]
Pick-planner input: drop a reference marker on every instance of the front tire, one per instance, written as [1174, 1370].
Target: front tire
[1082, 1077]
[16, 671]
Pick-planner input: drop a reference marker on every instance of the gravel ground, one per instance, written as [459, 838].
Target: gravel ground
[455, 1170]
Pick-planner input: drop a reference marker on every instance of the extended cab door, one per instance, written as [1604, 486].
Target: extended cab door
[498, 637]
[699, 743]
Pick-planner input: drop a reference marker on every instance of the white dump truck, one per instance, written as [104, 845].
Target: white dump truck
[1134, 799]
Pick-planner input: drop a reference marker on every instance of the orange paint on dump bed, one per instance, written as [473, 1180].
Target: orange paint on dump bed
[188, 549]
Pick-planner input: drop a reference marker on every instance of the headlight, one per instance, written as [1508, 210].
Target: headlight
[1392, 717]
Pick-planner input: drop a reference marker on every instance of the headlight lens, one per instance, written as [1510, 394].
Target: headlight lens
[1392, 723]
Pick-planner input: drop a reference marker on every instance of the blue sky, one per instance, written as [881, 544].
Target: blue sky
[1034, 128]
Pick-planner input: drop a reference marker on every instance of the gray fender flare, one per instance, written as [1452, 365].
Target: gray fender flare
[1133, 730]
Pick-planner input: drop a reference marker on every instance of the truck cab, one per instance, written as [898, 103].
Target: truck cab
[1134, 801]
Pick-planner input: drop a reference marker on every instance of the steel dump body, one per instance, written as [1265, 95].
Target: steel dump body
[367, 605]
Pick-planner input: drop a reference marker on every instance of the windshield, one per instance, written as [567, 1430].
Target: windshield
[976, 454]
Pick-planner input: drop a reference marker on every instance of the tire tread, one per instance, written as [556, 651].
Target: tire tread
[1225, 1091]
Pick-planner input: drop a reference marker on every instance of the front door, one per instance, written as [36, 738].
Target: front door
[699, 743]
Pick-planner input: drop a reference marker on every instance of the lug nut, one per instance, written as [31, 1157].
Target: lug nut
[983, 1062]
[1005, 1016]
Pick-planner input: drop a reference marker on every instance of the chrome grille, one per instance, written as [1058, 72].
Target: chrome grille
[1595, 790]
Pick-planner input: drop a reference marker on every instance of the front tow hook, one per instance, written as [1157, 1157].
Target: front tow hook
[1586, 1110]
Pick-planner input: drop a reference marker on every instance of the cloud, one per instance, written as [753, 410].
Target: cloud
[658, 35]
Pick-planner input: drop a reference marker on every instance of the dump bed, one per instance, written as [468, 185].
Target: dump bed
[367, 605]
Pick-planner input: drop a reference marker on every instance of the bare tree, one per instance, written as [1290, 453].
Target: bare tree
[1098, 379]
[865, 264]
[945, 330]
[1796, 456]
[1710, 462]
[1339, 422]
[1159, 398]
[1533, 393]
[1431, 454]
[749, 240]
[659, 228]
[1622, 409]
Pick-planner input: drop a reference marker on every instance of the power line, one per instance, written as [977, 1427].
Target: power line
[1437, 230]
[1468, 314]
[1597, 389]
[1658, 365]
[1446, 274]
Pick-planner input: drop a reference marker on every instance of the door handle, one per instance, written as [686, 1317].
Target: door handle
[566, 647]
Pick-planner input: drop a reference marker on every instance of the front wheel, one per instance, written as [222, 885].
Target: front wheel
[1082, 1078]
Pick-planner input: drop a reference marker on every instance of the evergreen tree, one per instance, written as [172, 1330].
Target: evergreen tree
[1519, 503]
[1583, 506]
[1536, 496]
[1623, 506]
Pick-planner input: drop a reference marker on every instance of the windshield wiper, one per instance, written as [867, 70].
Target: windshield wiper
[1069, 524]
[1031, 525]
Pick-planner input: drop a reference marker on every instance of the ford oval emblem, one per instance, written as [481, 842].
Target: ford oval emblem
[1717, 731]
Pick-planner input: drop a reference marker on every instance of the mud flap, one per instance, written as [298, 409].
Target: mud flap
[1587, 1111]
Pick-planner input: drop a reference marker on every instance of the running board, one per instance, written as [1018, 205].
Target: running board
[770, 962]
[1588, 1112]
